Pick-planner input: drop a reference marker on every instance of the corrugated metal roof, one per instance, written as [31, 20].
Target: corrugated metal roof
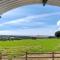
[6, 5]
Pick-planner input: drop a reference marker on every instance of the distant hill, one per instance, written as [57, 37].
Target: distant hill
[9, 37]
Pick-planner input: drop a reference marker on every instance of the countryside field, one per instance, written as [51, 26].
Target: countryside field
[30, 45]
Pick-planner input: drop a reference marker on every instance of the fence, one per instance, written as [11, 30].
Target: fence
[43, 56]
[35, 56]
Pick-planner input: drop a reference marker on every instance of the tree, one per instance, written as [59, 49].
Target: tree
[34, 38]
[57, 34]
[0, 16]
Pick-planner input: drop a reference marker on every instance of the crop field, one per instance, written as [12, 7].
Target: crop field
[30, 45]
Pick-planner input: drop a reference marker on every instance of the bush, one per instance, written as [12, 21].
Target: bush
[57, 34]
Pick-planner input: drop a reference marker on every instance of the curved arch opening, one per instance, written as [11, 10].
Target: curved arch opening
[31, 20]
[6, 5]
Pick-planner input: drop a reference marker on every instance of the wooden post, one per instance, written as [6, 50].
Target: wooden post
[26, 55]
[52, 55]
[0, 56]
[9, 57]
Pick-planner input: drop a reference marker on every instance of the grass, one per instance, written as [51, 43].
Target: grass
[29, 45]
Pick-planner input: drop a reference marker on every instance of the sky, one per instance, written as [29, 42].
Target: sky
[31, 19]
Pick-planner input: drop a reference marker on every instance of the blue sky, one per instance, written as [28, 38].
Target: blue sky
[30, 20]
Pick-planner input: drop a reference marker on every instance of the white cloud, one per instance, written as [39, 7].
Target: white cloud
[58, 25]
[38, 31]
[28, 19]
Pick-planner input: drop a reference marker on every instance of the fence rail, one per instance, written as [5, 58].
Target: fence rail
[33, 56]
[53, 57]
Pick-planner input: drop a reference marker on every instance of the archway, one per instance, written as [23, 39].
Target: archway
[6, 5]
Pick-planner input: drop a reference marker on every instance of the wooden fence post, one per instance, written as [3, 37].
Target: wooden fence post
[9, 57]
[0, 56]
[53, 56]
[26, 55]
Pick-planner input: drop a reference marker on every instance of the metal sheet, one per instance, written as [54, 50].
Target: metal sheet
[6, 5]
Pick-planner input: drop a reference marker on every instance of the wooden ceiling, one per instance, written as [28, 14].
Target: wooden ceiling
[6, 5]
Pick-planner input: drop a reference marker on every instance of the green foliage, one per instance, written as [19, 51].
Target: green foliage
[57, 34]
[21, 46]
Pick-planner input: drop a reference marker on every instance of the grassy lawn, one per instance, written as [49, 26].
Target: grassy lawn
[29, 45]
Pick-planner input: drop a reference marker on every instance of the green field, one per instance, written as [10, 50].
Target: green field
[30, 45]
